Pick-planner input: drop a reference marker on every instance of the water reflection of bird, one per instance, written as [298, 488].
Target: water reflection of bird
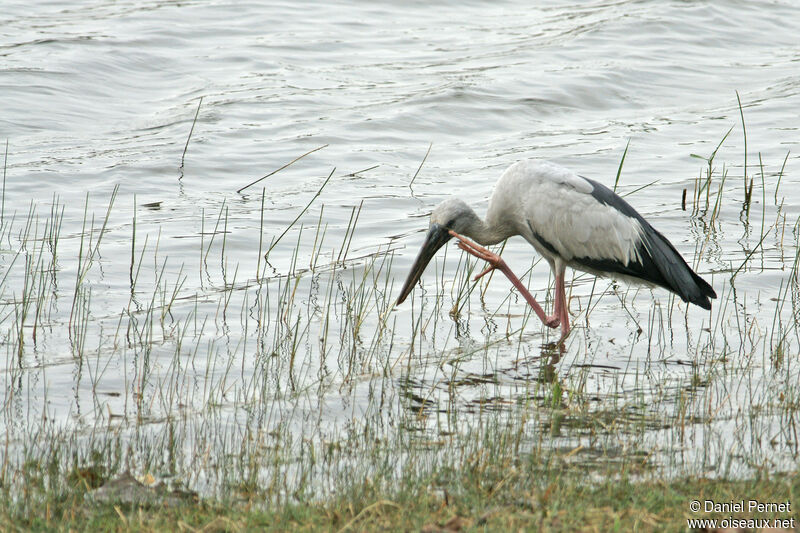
[571, 221]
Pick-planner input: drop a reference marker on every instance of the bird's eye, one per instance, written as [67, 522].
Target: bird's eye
[450, 223]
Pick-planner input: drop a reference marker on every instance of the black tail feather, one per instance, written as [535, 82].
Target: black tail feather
[677, 276]
[660, 264]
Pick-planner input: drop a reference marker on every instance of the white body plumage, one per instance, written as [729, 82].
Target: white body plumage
[550, 205]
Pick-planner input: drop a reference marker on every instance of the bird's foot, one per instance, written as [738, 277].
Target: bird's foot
[474, 249]
[552, 321]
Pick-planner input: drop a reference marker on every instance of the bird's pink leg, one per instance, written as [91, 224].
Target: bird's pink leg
[555, 319]
[562, 308]
[496, 262]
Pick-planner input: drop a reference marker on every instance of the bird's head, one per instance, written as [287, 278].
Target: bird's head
[452, 214]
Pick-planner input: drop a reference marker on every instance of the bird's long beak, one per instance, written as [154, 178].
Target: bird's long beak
[436, 238]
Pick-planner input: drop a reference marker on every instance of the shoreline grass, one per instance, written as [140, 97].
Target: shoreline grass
[507, 500]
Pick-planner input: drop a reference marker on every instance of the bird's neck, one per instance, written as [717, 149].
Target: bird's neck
[488, 232]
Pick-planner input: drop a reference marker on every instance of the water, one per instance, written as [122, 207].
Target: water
[100, 95]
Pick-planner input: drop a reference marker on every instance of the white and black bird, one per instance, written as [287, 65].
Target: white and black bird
[571, 221]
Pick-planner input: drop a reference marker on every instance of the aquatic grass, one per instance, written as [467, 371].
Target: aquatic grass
[85, 262]
[276, 240]
[191, 131]
[3, 197]
[780, 175]
[621, 162]
[748, 189]
[425, 158]
[705, 185]
[290, 163]
[300, 386]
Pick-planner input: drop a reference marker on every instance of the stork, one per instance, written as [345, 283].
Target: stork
[571, 221]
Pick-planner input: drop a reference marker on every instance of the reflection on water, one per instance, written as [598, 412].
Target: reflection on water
[162, 305]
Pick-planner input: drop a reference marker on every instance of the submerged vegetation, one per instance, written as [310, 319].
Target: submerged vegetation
[276, 385]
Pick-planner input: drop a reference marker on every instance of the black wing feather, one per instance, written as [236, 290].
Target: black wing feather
[659, 262]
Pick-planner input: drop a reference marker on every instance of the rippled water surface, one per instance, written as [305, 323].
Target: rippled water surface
[168, 308]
